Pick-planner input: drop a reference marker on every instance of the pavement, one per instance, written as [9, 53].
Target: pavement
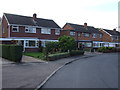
[32, 73]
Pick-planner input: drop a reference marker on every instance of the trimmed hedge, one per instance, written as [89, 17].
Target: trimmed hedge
[76, 52]
[12, 52]
[58, 56]
[64, 55]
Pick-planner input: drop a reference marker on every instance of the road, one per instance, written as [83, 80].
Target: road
[100, 71]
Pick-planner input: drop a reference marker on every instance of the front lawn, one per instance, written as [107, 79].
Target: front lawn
[40, 55]
[34, 54]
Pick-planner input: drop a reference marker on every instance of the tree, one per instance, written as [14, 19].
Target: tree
[67, 43]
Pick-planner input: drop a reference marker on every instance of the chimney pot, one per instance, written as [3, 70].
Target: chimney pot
[85, 25]
[34, 16]
[114, 29]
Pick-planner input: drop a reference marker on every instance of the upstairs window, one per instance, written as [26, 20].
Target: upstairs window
[86, 34]
[30, 29]
[79, 34]
[57, 32]
[46, 31]
[101, 35]
[94, 35]
[72, 33]
[15, 29]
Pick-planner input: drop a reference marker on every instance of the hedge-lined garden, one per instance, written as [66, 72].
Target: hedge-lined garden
[12, 52]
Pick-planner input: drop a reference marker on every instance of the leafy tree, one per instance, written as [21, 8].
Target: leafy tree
[67, 43]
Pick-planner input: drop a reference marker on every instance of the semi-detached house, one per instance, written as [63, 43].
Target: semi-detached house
[91, 37]
[31, 32]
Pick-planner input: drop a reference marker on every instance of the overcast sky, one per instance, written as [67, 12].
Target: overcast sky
[97, 13]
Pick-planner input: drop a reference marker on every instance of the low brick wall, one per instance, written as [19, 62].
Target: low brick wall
[31, 49]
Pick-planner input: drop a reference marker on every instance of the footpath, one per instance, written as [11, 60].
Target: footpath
[33, 73]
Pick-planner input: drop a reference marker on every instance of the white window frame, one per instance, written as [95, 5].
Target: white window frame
[101, 36]
[28, 46]
[88, 35]
[94, 35]
[72, 33]
[45, 31]
[30, 29]
[79, 34]
[17, 27]
[57, 32]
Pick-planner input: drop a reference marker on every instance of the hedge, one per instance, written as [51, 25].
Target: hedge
[64, 55]
[58, 56]
[76, 52]
[12, 52]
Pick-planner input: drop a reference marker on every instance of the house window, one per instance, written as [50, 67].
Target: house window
[31, 43]
[79, 34]
[94, 35]
[72, 33]
[86, 35]
[57, 32]
[30, 29]
[15, 29]
[45, 31]
[101, 35]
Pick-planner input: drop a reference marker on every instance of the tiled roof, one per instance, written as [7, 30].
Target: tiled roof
[25, 20]
[111, 32]
[81, 28]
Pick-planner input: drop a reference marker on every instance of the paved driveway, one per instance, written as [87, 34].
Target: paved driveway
[95, 72]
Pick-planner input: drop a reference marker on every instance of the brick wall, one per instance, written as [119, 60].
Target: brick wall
[38, 34]
[5, 25]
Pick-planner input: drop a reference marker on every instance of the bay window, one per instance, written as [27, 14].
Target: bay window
[31, 43]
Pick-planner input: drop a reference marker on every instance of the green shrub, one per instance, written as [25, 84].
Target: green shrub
[76, 52]
[6, 51]
[107, 49]
[12, 52]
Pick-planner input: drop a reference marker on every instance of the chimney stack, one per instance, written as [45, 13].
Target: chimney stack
[85, 25]
[114, 29]
[34, 16]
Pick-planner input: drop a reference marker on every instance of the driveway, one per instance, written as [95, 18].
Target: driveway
[95, 72]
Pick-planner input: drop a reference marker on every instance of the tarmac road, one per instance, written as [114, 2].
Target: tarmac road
[94, 72]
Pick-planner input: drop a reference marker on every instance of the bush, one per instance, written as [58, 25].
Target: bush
[67, 43]
[12, 52]
[76, 52]
[108, 49]
[5, 51]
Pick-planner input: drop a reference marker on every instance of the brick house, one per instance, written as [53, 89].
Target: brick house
[111, 37]
[31, 32]
[83, 34]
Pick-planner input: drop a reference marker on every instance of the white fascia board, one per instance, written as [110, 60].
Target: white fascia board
[33, 26]
[106, 32]
[48, 40]
[6, 39]
[6, 19]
